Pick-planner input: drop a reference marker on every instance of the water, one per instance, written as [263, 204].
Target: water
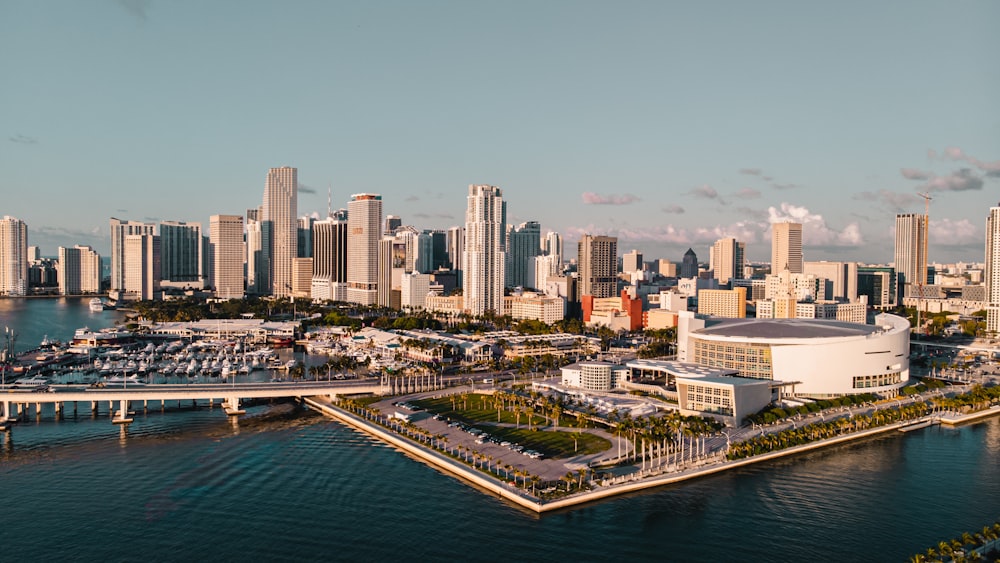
[56, 317]
[287, 484]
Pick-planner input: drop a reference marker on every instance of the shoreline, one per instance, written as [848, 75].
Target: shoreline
[524, 500]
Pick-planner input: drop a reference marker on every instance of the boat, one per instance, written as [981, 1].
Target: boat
[31, 382]
[96, 305]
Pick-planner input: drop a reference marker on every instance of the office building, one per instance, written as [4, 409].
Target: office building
[279, 215]
[729, 303]
[840, 278]
[226, 241]
[632, 262]
[597, 266]
[726, 260]
[305, 236]
[786, 247]
[552, 245]
[689, 265]
[484, 259]
[364, 229]
[330, 257]
[182, 253]
[392, 222]
[456, 248]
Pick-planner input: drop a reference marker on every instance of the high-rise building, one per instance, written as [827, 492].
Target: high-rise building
[79, 270]
[119, 230]
[364, 229]
[142, 267]
[840, 277]
[392, 222]
[484, 259]
[13, 256]
[786, 247]
[632, 262]
[456, 248]
[552, 245]
[257, 277]
[330, 256]
[423, 258]
[226, 241]
[726, 260]
[597, 266]
[689, 265]
[992, 271]
[392, 258]
[439, 249]
[668, 269]
[523, 244]
[181, 253]
[305, 236]
[911, 250]
[279, 231]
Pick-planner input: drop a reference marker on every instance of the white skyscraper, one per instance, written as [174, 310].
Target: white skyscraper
[226, 239]
[279, 216]
[13, 256]
[119, 230]
[992, 273]
[484, 258]
[142, 267]
[79, 270]
[364, 229]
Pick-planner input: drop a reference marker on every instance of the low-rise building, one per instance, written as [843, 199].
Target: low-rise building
[594, 376]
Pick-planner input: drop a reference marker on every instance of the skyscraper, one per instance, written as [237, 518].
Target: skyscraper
[330, 256]
[392, 222]
[689, 265]
[364, 229]
[456, 248]
[786, 247]
[632, 261]
[726, 260]
[305, 235]
[226, 240]
[119, 230]
[79, 270]
[911, 250]
[280, 230]
[258, 282]
[523, 244]
[992, 273]
[142, 267]
[181, 253]
[13, 256]
[484, 259]
[597, 266]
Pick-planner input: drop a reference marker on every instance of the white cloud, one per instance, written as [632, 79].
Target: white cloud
[815, 231]
[948, 232]
[958, 181]
[591, 198]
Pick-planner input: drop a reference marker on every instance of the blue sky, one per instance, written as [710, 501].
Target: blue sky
[668, 124]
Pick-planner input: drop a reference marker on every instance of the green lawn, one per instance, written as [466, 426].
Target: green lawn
[480, 414]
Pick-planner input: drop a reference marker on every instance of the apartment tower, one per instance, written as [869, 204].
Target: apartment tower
[13, 256]
[911, 250]
[226, 241]
[484, 259]
[992, 272]
[119, 230]
[597, 266]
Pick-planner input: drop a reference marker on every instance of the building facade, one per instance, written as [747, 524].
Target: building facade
[226, 241]
[142, 268]
[786, 247]
[992, 270]
[523, 245]
[330, 257]
[597, 266]
[13, 256]
[364, 229]
[731, 303]
[119, 230]
[911, 250]
[279, 214]
[726, 260]
[79, 270]
[484, 259]
[182, 253]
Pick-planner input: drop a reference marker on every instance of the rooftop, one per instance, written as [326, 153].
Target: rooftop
[785, 328]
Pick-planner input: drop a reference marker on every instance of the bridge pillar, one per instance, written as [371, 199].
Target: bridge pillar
[58, 405]
[232, 406]
[93, 408]
[121, 417]
[38, 410]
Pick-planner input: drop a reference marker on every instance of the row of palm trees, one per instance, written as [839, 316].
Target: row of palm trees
[658, 441]
[519, 477]
[826, 429]
[966, 547]
[976, 399]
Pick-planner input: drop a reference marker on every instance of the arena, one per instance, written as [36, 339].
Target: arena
[814, 358]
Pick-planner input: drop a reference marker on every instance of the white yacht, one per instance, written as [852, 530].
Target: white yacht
[96, 305]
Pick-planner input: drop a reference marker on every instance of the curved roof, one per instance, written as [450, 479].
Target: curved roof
[785, 328]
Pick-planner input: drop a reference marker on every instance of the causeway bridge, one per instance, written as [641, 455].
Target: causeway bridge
[16, 403]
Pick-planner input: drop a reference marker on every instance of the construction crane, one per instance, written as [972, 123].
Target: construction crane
[923, 258]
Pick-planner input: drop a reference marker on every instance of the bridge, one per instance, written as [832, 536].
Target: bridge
[15, 403]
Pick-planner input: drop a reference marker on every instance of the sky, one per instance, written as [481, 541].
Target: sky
[667, 124]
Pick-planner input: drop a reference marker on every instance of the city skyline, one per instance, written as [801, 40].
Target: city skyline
[672, 130]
